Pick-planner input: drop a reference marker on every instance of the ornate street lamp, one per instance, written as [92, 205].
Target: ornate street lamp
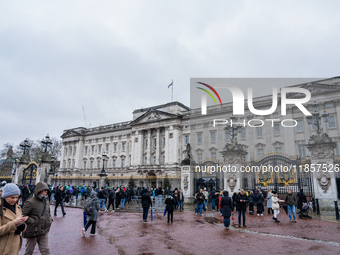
[315, 119]
[25, 145]
[104, 158]
[46, 142]
[52, 161]
[233, 130]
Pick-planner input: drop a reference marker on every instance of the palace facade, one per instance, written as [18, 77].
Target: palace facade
[152, 145]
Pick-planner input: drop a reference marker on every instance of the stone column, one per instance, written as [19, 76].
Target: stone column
[233, 179]
[187, 183]
[102, 180]
[158, 147]
[148, 150]
[324, 180]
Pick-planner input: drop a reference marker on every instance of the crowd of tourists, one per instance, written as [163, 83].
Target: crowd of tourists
[244, 201]
[25, 210]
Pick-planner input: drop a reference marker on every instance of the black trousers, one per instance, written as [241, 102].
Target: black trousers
[111, 202]
[270, 209]
[57, 203]
[170, 214]
[259, 208]
[93, 228]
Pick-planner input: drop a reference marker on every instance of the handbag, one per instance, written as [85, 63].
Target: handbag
[34, 229]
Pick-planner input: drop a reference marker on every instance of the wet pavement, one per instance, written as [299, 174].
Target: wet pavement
[125, 233]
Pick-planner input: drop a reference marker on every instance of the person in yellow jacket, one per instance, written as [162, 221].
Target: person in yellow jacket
[12, 223]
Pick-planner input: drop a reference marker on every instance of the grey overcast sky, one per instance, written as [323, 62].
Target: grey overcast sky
[116, 56]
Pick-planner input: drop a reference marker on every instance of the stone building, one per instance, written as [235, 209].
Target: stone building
[153, 144]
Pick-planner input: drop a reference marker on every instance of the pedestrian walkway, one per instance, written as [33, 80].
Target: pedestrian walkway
[125, 233]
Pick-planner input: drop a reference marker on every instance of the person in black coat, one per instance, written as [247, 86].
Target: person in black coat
[260, 200]
[170, 206]
[234, 197]
[59, 199]
[242, 200]
[227, 207]
[146, 203]
[251, 200]
[112, 196]
[117, 198]
[301, 199]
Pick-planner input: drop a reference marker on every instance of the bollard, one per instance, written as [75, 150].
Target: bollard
[317, 207]
[336, 210]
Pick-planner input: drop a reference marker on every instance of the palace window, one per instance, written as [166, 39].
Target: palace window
[86, 150]
[146, 160]
[155, 142]
[114, 163]
[336, 150]
[123, 146]
[123, 162]
[213, 156]
[299, 126]
[302, 152]
[91, 165]
[331, 121]
[154, 160]
[278, 149]
[107, 147]
[243, 133]
[98, 164]
[213, 136]
[115, 147]
[84, 164]
[92, 149]
[259, 153]
[199, 138]
[163, 159]
[146, 143]
[100, 149]
[199, 157]
[186, 139]
[259, 131]
[163, 141]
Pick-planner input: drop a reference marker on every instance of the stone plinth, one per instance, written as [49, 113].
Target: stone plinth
[187, 183]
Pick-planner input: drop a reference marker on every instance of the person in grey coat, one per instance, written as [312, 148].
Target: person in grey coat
[269, 202]
[91, 219]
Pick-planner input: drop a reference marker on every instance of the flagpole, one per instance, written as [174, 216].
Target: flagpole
[172, 91]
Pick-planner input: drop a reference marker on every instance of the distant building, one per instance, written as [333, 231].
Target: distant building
[6, 166]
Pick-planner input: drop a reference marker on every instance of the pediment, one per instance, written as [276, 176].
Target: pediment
[70, 133]
[153, 116]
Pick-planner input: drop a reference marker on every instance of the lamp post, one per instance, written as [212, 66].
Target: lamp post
[315, 119]
[46, 142]
[233, 130]
[103, 170]
[25, 145]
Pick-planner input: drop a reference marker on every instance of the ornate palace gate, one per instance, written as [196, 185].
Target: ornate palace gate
[206, 178]
[29, 174]
[283, 173]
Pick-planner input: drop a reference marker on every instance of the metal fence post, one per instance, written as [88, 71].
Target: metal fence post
[317, 207]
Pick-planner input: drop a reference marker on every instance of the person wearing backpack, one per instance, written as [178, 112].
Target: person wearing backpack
[91, 209]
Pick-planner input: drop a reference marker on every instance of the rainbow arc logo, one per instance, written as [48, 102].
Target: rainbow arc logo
[209, 93]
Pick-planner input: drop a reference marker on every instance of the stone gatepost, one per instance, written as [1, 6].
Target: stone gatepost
[322, 152]
[102, 180]
[233, 159]
[187, 183]
[42, 172]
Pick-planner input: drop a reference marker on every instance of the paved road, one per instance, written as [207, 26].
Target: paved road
[125, 233]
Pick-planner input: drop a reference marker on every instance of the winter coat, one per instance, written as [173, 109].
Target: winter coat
[260, 199]
[146, 199]
[170, 203]
[251, 199]
[33, 208]
[226, 205]
[94, 200]
[199, 198]
[206, 195]
[10, 243]
[275, 204]
[60, 195]
[241, 206]
[269, 200]
[290, 199]
[301, 199]
[112, 195]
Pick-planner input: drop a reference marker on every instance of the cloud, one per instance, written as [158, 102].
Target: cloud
[114, 57]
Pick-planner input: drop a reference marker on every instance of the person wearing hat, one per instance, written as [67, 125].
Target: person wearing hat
[12, 223]
[37, 208]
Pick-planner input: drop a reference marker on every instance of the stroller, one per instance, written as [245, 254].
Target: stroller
[304, 211]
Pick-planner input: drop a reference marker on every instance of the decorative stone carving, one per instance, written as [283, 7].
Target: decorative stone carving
[322, 152]
[233, 145]
[324, 180]
[320, 138]
[232, 180]
[186, 181]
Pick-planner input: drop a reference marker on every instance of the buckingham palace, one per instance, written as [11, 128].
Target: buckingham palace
[152, 146]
